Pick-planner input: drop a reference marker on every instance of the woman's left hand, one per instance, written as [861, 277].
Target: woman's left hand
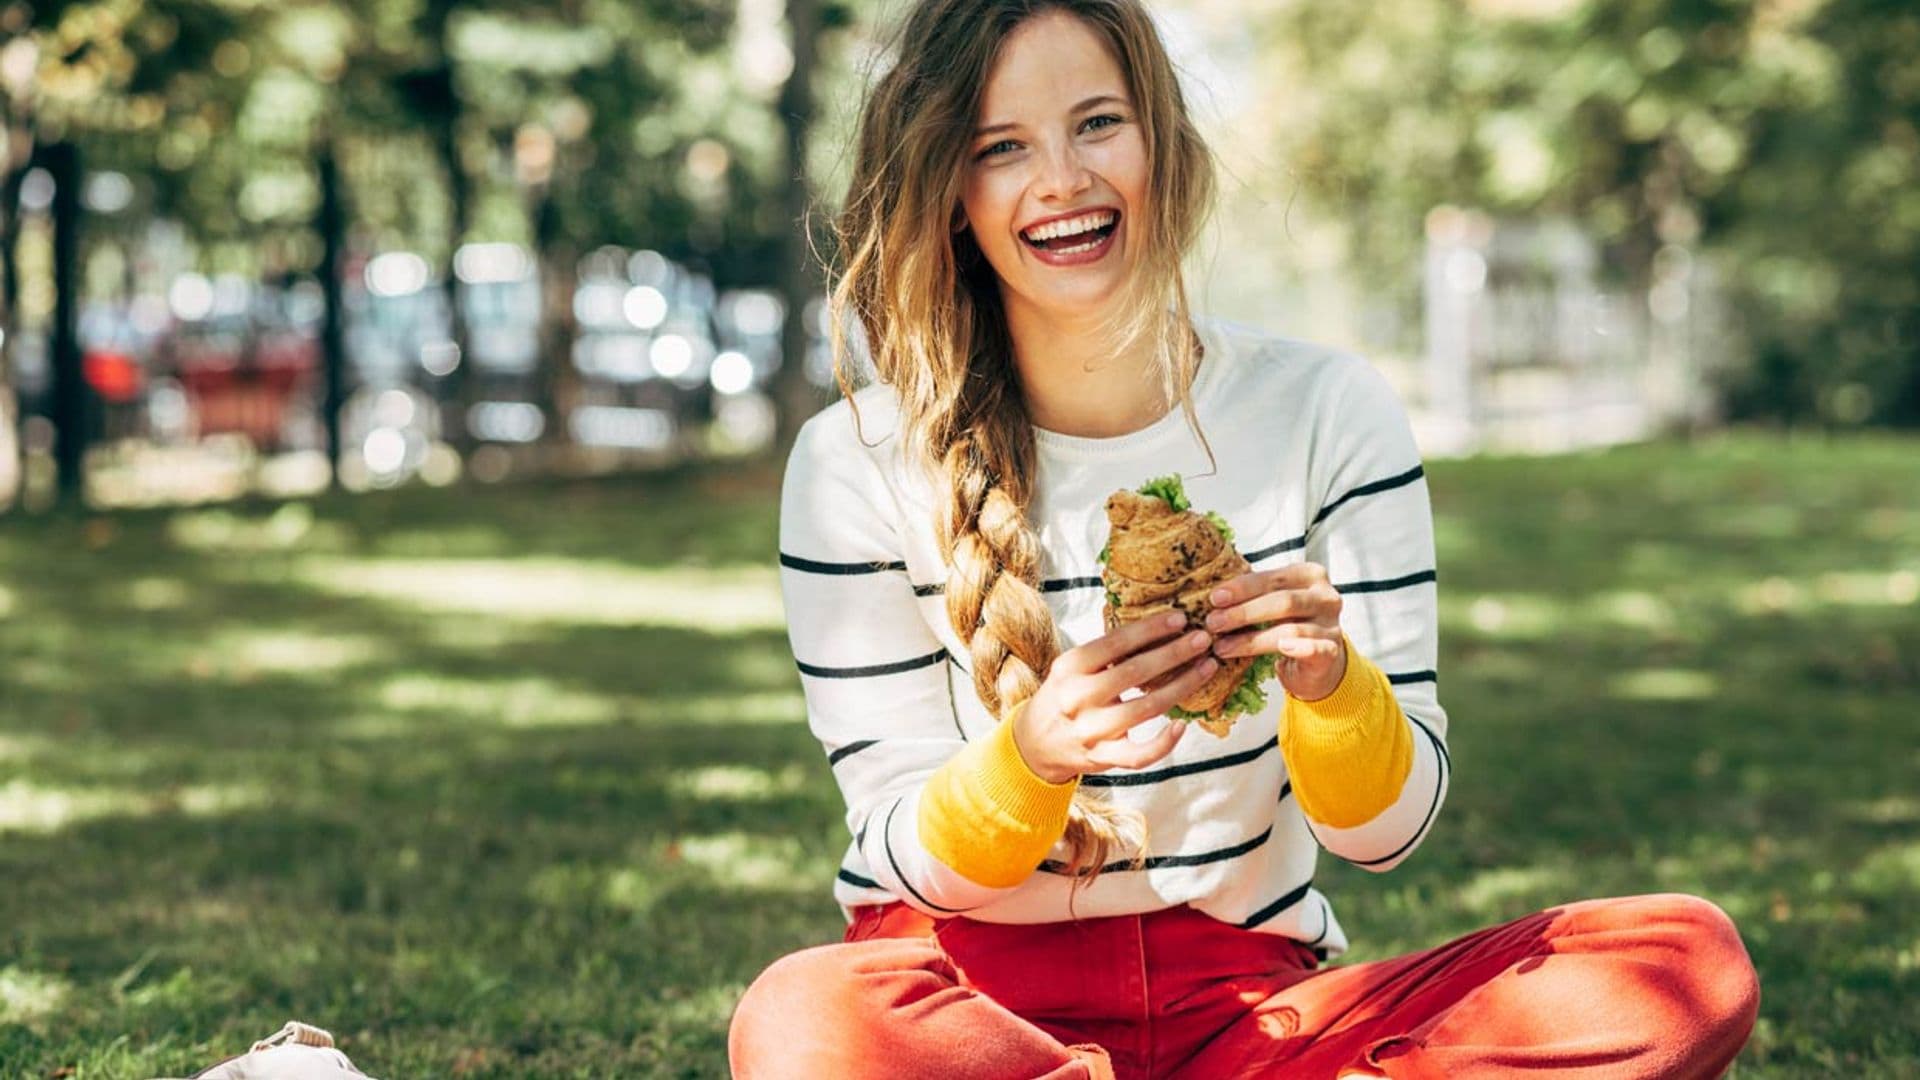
[1294, 613]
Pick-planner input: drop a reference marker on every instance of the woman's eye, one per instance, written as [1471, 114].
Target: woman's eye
[994, 150]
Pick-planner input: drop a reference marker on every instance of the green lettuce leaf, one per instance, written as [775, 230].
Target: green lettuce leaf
[1174, 491]
[1220, 523]
[1169, 488]
[1247, 699]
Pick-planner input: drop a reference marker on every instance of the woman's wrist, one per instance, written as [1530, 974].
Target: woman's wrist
[1026, 747]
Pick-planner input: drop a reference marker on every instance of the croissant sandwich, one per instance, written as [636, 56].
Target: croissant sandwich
[1161, 556]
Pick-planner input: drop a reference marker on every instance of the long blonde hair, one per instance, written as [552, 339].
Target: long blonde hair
[929, 308]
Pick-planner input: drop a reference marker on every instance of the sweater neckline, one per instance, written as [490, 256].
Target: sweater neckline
[1212, 360]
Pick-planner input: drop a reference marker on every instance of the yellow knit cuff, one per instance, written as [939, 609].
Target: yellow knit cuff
[1348, 753]
[985, 814]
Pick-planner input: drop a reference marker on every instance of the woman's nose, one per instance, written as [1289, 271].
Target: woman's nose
[1063, 175]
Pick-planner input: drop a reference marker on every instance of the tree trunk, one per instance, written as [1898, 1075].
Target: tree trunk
[70, 405]
[331, 223]
[557, 381]
[443, 96]
[796, 399]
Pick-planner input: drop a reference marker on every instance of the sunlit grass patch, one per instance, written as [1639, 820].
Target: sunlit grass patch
[1498, 892]
[22, 747]
[562, 591]
[29, 997]
[31, 808]
[1892, 871]
[1860, 588]
[292, 651]
[222, 531]
[1509, 616]
[738, 782]
[758, 707]
[1636, 609]
[750, 861]
[156, 593]
[1665, 684]
[513, 702]
[1889, 810]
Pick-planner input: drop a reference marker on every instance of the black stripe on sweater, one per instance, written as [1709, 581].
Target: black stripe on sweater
[815, 566]
[1405, 677]
[1054, 585]
[1155, 862]
[1294, 544]
[1291, 898]
[886, 841]
[1387, 584]
[1373, 488]
[857, 881]
[1439, 785]
[1171, 772]
[1049, 585]
[849, 750]
[895, 668]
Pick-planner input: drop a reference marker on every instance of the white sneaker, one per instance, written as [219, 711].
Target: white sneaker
[295, 1052]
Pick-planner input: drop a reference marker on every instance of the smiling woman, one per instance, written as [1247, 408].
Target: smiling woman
[1043, 878]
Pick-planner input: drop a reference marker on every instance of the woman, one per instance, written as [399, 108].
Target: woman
[1046, 878]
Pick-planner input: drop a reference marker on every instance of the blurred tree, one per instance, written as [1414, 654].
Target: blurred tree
[92, 73]
[1779, 134]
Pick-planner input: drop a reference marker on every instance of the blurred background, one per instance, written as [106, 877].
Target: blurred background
[393, 395]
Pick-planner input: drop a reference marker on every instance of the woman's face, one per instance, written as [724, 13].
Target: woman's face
[1057, 135]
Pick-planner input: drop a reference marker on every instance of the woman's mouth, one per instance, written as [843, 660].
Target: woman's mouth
[1088, 240]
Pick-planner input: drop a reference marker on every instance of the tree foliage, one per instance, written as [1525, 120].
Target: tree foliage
[1781, 137]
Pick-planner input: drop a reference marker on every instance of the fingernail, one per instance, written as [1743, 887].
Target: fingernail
[1199, 639]
[1174, 621]
[1209, 666]
[1221, 596]
[1216, 621]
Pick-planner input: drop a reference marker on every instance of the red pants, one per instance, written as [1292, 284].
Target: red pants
[1637, 987]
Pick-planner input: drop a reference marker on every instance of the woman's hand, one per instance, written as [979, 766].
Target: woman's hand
[1294, 613]
[1075, 723]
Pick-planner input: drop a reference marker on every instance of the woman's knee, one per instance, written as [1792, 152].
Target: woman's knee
[1725, 987]
[809, 999]
[1719, 950]
[792, 990]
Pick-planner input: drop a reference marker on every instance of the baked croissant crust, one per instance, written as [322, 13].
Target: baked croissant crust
[1159, 558]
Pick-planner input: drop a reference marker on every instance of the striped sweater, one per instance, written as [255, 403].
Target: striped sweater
[1316, 463]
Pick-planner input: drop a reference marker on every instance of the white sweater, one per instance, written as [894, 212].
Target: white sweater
[1316, 463]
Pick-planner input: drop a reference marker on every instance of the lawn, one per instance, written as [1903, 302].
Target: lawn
[515, 780]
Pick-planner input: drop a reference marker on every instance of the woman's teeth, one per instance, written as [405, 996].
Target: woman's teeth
[1080, 240]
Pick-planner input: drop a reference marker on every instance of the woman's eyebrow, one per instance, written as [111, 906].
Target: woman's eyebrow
[1097, 99]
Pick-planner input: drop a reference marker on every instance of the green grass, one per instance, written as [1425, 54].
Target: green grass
[515, 781]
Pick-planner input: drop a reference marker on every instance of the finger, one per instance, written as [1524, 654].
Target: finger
[1102, 724]
[1124, 753]
[1245, 587]
[1315, 601]
[1302, 649]
[1284, 638]
[1121, 642]
[1141, 668]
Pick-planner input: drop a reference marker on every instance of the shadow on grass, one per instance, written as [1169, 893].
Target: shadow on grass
[479, 834]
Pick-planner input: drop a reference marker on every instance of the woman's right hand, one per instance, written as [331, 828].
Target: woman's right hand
[1075, 723]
